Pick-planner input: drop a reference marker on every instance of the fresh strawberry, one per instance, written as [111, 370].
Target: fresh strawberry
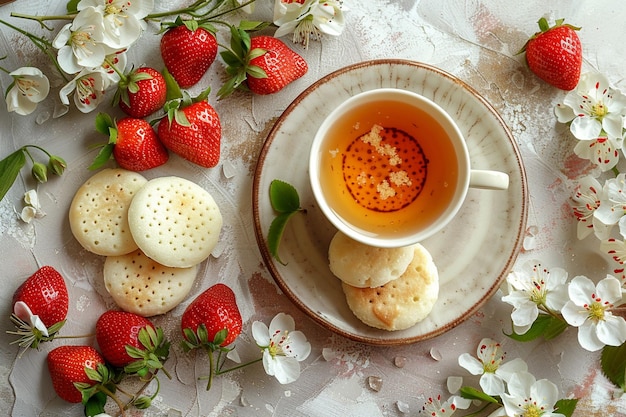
[216, 310]
[193, 132]
[132, 142]
[265, 63]
[141, 93]
[555, 54]
[40, 307]
[130, 341]
[188, 49]
[67, 365]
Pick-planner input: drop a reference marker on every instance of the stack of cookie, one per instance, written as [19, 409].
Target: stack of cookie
[386, 288]
[154, 234]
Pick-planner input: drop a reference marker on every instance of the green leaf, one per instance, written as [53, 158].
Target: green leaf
[9, 168]
[284, 197]
[256, 72]
[95, 404]
[250, 25]
[545, 325]
[613, 362]
[472, 393]
[173, 89]
[72, 6]
[275, 234]
[566, 406]
[103, 123]
[106, 153]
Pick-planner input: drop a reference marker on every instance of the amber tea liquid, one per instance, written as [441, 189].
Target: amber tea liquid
[388, 167]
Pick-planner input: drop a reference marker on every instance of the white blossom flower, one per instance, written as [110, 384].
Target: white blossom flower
[89, 87]
[532, 288]
[585, 201]
[528, 397]
[30, 86]
[489, 364]
[308, 19]
[589, 310]
[603, 151]
[283, 347]
[617, 250]
[613, 201]
[80, 42]
[434, 407]
[592, 108]
[123, 19]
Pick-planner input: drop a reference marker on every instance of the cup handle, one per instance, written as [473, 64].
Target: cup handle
[488, 180]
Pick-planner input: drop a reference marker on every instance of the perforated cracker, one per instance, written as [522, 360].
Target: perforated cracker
[362, 266]
[98, 214]
[400, 303]
[142, 286]
[175, 221]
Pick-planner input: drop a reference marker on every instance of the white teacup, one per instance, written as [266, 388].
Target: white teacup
[390, 168]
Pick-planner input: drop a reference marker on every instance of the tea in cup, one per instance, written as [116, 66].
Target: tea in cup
[390, 168]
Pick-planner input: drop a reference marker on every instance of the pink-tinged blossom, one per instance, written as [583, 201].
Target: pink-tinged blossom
[589, 309]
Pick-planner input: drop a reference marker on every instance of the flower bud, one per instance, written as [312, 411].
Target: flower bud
[142, 402]
[40, 172]
[57, 165]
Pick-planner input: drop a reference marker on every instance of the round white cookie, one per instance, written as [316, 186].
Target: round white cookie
[364, 266]
[142, 286]
[98, 214]
[400, 303]
[175, 221]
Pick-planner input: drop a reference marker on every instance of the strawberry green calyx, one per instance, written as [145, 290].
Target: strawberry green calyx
[200, 340]
[191, 24]
[128, 84]
[178, 99]
[151, 357]
[105, 125]
[544, 27]
[237, 59]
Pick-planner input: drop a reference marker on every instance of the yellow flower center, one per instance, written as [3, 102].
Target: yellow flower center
[532, 410]
[596, 311]
[599, 110]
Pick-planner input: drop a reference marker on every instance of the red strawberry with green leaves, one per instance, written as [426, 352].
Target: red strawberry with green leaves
[70, 365]
[40, 307]
[211, 322]
[188, 49]
[132, 342]
[266, 64]
[555, 54]
[192, 128]
[132, 142]
[212, 319]
[141, 93]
